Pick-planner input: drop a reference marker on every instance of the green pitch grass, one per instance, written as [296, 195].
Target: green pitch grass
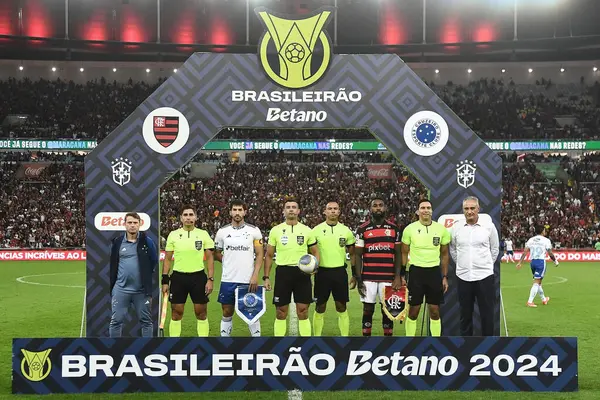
[50, 305]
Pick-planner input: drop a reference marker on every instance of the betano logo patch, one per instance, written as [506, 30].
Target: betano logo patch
[36, 365]
[295, 52]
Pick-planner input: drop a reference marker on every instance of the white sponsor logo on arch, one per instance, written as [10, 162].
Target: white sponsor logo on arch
[115, 221]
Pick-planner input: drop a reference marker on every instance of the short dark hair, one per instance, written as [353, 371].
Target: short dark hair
[133, 215]
[238, 202]
[540, 228]
[186, 206]
[291, 199]
[376, 196]
[425, 201]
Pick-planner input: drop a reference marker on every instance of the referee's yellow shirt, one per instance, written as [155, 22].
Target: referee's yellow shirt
[291, 242]
[332, 241]
[425, 242]
[188, 249]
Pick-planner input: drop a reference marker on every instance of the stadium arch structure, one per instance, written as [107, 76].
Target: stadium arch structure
[214, 91]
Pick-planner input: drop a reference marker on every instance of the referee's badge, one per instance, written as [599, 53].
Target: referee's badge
[283, 240]
[436, 241]
[342, 242]
[300, 240]
[198, 244]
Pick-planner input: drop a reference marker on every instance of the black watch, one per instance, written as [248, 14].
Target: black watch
[445, 276]
[265, 278]
[211, 279]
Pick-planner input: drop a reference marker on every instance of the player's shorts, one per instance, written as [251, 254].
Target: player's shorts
[331, 281]
[538, 268]
[374, 291]
[425, 282]
[227, 292]
[290, 280]
[184, 284]
[510, 253]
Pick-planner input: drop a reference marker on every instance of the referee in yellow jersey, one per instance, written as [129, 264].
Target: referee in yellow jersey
[427, 242]
[290, 240]
[189, 245]
[334, 239]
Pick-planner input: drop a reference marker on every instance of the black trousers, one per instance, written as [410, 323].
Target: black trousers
[484, 293]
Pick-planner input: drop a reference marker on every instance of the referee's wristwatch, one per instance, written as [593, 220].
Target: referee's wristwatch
[211, 279]
[265, 278]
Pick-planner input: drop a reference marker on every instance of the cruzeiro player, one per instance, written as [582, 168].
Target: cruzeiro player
[236, 245]
[333, 240]
[378, 257]
[508, 247]
[538, 246]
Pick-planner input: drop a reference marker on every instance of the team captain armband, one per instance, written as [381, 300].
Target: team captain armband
[258, 242]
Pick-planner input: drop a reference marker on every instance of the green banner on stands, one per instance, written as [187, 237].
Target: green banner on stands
[63, 145]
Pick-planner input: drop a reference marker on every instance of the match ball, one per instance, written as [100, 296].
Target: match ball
[294, 52]
[308, 264]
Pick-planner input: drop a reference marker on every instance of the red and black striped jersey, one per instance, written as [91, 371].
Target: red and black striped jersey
[378, 242]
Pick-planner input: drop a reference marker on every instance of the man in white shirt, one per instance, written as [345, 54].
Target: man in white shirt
[474, 248]
[538, 245]
[239, 247]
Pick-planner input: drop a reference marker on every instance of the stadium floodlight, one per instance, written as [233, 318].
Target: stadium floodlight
[175, 70]
[437, 71]
[503, 70]
[147, 69]
[53, 69]
[595, 69]
[20, 68]
[81, 69]
[530, 70]
[114, 70]
[469, 70]
[562, 70]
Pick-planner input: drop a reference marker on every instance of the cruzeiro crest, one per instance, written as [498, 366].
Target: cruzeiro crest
[465, 173]
[302, 47]
[36, 366]
[121, 171]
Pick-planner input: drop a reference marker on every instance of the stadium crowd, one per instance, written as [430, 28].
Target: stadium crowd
[494, 109]
[47, 209]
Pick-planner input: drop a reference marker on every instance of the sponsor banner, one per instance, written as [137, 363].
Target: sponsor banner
[379, 171]
[103, 365]
[22, 144]
[448, 220]
[32, 170]
[115, 221]
[565, 255]
[42, 255]
[76, 255]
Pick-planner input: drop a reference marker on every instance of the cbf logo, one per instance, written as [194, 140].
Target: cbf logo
[121, 171]
[465, 173]
[291, 46]
[36, 366]
[426, 133]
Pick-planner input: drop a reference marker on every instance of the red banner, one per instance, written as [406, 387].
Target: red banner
[31, 171]
[379, 171]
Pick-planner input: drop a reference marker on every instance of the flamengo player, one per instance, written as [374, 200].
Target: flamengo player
[378, 263]
[236, 245]
[538, 246]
